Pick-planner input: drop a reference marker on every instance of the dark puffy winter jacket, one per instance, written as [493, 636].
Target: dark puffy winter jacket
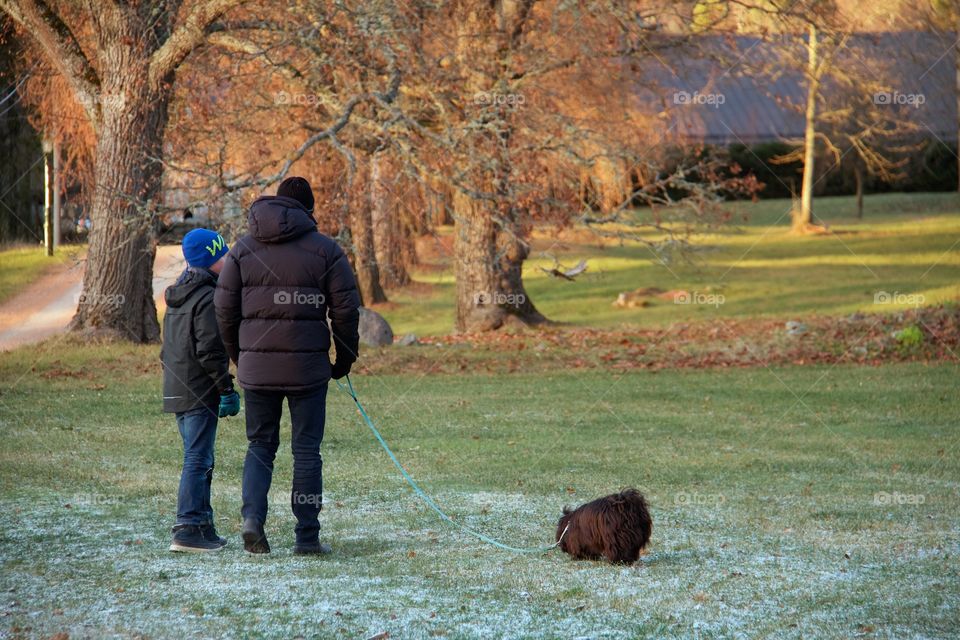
[274, 293]
[195, 365]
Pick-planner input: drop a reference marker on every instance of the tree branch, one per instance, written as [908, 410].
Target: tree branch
[329, 134]
[230, 42]
[61, 49]
[187, 37]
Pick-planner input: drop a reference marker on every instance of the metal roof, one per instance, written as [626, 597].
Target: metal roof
[722, 95]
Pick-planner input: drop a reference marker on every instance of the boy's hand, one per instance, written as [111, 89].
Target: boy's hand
[229, 404]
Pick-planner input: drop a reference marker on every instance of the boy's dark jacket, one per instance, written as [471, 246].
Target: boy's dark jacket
[277, 287]
[195, 364]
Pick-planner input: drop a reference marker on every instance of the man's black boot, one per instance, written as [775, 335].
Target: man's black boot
[311, 549]
[254, 538]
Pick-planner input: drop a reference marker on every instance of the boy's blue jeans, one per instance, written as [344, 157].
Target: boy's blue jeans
[198, 429]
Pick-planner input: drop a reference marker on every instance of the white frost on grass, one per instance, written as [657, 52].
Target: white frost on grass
[105, 571]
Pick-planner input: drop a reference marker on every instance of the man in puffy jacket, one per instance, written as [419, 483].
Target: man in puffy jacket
[275, 293]
[197, 385]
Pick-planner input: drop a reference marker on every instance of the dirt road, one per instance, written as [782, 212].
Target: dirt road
[46, 306]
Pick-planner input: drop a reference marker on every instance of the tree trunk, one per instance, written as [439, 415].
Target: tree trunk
[611, 181]
[361, 232]
[117, 298]
[803, 218]
[513, 252]
[474, 245]
[489, 248]
[489, 245]
[388, 233]
[956, 62]
[443, 207]
[123, 77]
[488, 272]
[858, 176]
[437, 205]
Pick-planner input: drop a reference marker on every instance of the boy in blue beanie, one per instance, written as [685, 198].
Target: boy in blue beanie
[197, 385]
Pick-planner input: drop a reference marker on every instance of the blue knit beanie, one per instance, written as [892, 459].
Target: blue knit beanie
[203, 247]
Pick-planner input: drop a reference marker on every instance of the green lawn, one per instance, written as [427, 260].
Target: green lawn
[907, 244]
[19, 266]
[796, 502]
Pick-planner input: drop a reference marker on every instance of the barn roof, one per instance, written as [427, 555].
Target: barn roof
[722, 96]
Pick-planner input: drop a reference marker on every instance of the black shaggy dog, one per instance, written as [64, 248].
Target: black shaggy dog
[614, 527]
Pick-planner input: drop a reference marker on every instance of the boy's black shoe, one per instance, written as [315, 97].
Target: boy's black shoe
[254, 538]
[311, 549]
[189, 538]
[210, 533]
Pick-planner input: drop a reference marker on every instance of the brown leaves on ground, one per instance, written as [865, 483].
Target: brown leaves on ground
[857, 338]
[865, 339]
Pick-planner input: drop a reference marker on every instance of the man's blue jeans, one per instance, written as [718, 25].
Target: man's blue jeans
[198, 429]
[307, 415]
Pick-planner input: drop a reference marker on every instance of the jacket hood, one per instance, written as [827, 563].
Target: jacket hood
[275, 219]
[189, 281]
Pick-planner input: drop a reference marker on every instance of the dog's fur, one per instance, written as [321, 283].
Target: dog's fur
[615, 527]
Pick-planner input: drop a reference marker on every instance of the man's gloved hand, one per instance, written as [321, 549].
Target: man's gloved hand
[229, 403]
[338, 369]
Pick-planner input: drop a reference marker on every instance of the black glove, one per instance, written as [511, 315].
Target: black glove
[339, 369]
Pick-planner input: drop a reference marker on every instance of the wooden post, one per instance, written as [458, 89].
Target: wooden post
[57, 211]
[48, 196]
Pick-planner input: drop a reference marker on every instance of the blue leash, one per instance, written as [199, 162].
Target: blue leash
[348, 389]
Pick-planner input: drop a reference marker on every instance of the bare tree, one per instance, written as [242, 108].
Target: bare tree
[823, 42]
[120, 61]
[500, 109]
[845, 80]
[520, 121]
[856, 120]
[327, 60]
